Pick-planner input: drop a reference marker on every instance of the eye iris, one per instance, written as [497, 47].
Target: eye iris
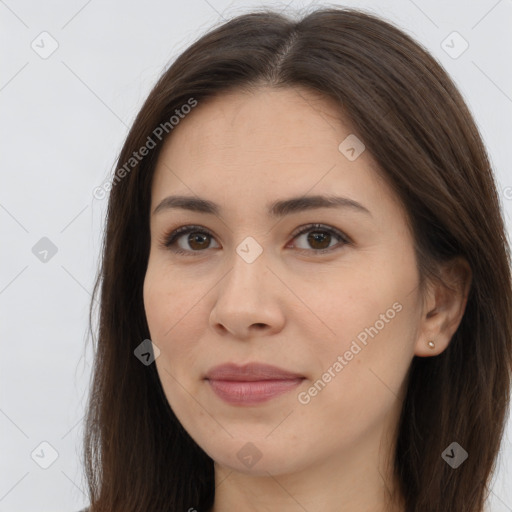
[198, 237]
[318, 236]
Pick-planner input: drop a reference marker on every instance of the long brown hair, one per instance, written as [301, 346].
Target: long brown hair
[416, 125]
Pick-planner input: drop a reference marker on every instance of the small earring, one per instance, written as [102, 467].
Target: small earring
[431, 344]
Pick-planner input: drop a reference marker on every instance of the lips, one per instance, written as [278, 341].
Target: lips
[252, 383]
[250, 372]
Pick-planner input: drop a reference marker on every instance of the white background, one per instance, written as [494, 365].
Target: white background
[64, 119]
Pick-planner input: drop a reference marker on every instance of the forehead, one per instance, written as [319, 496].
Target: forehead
[250, 144]
[261, 121]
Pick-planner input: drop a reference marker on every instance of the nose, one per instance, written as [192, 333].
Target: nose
[249, 300]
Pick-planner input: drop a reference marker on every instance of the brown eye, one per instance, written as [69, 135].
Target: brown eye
[319, 238]
[198, 241]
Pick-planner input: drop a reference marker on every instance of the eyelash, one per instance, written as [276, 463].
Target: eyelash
[171, 238]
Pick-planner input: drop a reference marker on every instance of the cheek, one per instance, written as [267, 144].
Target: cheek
[342, 306]
[357, 392]
[167, 302]
[173, 325]
[177, 320]
[370, 319]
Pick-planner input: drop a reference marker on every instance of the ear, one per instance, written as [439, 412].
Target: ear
[444, 307]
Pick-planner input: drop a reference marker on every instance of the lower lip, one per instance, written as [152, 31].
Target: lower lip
[247, 393]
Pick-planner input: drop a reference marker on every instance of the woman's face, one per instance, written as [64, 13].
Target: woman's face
[252, 286]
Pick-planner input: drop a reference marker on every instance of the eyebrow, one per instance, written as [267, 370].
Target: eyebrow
[276, 209]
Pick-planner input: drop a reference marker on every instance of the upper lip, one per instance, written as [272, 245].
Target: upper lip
[250, 372]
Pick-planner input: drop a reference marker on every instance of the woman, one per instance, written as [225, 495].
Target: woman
[305, 284]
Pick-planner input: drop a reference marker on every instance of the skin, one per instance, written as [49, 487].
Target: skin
[292, 309]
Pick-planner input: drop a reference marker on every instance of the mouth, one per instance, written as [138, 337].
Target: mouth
[252, 383]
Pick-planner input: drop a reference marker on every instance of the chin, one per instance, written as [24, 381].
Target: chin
[257, 458]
